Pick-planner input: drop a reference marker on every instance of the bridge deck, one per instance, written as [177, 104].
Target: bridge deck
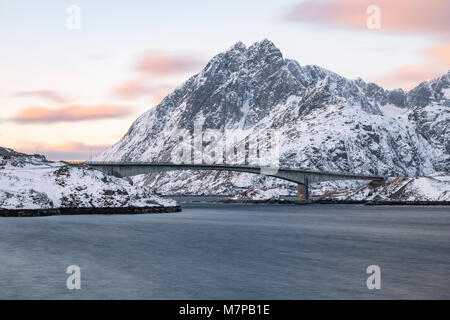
[300, 176]
[228, 167]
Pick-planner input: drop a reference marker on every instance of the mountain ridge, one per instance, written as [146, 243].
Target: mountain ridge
[326, 121]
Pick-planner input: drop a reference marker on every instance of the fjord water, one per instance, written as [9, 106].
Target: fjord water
[223, 251]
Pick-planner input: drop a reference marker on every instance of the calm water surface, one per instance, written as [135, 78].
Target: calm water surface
[218, 251]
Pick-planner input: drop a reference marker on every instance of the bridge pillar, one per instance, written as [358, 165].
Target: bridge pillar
[306, 189]
[303, 190]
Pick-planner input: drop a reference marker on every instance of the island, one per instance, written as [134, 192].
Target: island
[30, 185]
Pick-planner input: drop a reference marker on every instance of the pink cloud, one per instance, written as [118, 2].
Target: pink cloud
[49, 95]
[157, 98]
[132, 89]
[38, 114]
[439, 53]
[156, 64]
[431, 16]
[409, 76]
[400, 16]
[164, 64]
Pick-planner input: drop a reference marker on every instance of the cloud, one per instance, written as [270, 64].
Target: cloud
[417, 17]
[131, 89]
[62, 151]
[38, 114]
[429, 17]
[152, 66]
[160, 63]
[49, 95]
[439, 53]
[136, 88]
[408, 76]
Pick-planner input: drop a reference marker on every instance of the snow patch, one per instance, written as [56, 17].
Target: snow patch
[446, 92]
[392, 111]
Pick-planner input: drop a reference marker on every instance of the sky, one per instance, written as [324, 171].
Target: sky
[74, 75]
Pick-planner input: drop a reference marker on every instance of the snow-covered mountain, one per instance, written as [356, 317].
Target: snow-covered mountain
[325, 121]
[32, 182]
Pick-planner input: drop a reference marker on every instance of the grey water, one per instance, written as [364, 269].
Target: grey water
[230, 251]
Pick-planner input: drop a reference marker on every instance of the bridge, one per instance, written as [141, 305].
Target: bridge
[300, 176]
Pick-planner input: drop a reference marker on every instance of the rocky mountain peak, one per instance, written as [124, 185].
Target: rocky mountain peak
[265, 50]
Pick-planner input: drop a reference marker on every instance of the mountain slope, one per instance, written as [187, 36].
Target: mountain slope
[325, 121]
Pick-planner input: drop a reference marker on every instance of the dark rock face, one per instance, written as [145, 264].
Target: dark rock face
[326, 122]
[429, 92]
[397, 97]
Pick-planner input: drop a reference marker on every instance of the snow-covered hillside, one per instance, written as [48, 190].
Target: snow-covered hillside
[435, 187]
[325, 121]
[31, 182]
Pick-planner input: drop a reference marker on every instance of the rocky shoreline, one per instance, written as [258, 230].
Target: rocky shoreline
[250, 201]
[86, 211]
[407, 203]
[364, 202]
[384, 203]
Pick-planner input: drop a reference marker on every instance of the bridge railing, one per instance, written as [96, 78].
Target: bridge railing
[227, 166]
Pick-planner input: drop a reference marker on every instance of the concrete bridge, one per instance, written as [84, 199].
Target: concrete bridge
[300, 176]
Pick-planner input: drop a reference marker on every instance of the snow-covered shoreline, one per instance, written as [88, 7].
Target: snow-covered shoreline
[431, 188]
[428, 190]
[30, 182]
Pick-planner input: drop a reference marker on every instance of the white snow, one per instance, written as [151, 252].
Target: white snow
[446, 92]
[392, 111]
